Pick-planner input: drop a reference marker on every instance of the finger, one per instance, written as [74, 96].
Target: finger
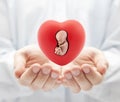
[100, 62]
[92, 74]
[80, 78]
[56, 85]
[58, 81]
[51, 80]
[34, 88]
[70, 82]
[65, 83]
[29, 75]
[42, 76]
[19, 64]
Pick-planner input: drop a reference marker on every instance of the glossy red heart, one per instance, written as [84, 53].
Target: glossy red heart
[61, 42]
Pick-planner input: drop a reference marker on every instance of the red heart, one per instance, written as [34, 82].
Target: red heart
[61, 42]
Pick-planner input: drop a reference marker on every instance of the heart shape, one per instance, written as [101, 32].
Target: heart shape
[61, 42]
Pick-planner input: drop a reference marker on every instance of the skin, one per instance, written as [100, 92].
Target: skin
[86, 71]
[62, 48]
[34, 70]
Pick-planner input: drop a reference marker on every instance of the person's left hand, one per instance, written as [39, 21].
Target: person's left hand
[86, 71]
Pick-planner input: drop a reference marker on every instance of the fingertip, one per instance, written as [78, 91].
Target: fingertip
[18, 72]
[102, 70]
[75, 71]
[35, 69]
[68, 75]
[102, 66]
[54, 75]
[86, 68]
[46, 69]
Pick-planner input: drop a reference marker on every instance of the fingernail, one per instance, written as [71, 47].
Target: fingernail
[54, 75]
[46, 70]
[35, 69]
[68, 76]
[86, 70]
[75, 72]
[102, 70]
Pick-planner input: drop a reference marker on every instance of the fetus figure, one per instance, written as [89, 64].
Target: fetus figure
[62, 43]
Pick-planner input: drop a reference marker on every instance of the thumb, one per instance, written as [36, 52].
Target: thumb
[19, 64]
[101, 63]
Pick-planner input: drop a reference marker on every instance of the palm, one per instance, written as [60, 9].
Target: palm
[34, 55]
[87, 56]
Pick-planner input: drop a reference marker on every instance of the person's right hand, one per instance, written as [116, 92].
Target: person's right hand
[32, 69]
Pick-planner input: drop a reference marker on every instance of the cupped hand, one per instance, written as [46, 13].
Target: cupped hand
[86, 70]
[33, 69]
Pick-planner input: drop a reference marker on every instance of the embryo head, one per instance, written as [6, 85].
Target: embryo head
[61, 36]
